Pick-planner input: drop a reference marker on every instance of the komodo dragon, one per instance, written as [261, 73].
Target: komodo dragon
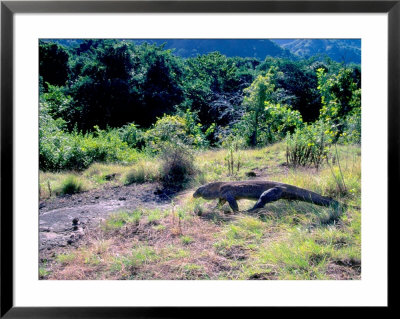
[262, 191]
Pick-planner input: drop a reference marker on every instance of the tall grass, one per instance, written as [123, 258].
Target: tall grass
[71, 185]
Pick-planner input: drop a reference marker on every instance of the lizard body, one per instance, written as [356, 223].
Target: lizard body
[262, 191]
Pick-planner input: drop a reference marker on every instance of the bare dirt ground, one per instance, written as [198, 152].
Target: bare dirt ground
[64, 220]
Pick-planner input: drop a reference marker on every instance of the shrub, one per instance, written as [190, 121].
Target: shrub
[309, 145]
[60, 150]
[166, 130]
[351, 128]
[131, 135]
[71, 185]
[177, 167]
[181, 128]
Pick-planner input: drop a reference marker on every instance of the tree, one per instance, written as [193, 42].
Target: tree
[296, 85]
[257, 94]
[340, 99]
[159, 76]
[53, 64]
[101, 86]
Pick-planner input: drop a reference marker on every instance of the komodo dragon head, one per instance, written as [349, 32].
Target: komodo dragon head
[208, 191]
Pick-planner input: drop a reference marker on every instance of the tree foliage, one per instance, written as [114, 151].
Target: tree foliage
[98, 93]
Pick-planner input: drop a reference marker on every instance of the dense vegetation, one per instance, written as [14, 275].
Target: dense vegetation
[112, 100]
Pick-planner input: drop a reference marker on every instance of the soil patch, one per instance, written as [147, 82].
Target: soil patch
[65, 219]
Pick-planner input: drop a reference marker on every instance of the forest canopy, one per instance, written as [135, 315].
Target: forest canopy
[107, 100]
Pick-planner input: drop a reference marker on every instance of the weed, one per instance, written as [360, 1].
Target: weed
[43, 272]
[65, 259]
[186, 240]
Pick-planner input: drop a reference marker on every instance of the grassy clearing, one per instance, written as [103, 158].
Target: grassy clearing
[238, 247]
[194, 240]
[99, 175]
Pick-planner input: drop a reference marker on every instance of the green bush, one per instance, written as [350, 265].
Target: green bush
[60, 150]
[132, 135]
[351, 131]
[181, 128]
[275, 121]
[309, 145]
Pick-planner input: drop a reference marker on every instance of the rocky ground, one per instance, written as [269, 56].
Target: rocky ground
[65, 220]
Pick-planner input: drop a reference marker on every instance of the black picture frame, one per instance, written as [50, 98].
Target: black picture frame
[9, 8]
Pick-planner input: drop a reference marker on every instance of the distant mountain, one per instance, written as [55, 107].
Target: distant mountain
[254, 48]
[340, 50]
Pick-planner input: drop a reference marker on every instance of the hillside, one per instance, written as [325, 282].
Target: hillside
[340, 50]
[253, 48]
[186, 48]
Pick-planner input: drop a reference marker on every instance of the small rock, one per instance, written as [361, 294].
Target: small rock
[69, 242]
[110, 177]
[75, 221]
[96, 197]
[122, 198]
[41, 205]
[251, 174]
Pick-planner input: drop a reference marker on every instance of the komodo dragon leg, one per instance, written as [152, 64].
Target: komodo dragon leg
[232, 202]
[268, 196]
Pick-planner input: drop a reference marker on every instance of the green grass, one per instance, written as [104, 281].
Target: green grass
[119, 219]
[186, 240]
[65, 259]
[139, 256]
[154, 215]
[43, 272]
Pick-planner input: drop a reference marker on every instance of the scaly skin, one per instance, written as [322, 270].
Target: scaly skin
[262, 191]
